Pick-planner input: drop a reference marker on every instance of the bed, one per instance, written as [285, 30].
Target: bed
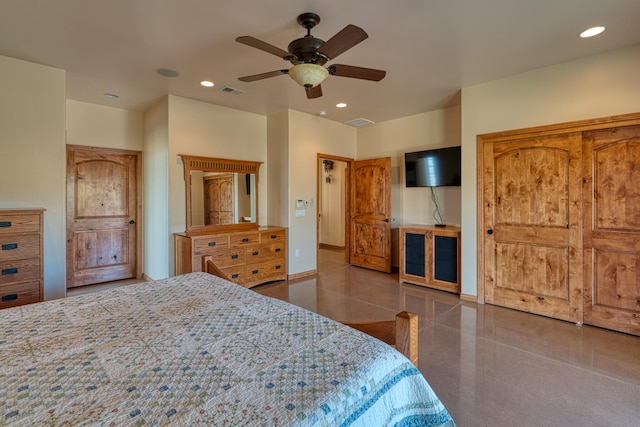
[198, 350]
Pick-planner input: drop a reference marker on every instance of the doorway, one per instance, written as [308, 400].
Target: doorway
[333, 211]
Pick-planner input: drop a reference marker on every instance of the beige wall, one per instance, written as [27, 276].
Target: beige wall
[99, 126]
[308, 136]
[596, 86]
[156, 191]
[278, 169]
[32, 155]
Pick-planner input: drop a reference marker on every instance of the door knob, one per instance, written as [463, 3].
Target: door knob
[386, 220]
[132, 222]
[489, 231]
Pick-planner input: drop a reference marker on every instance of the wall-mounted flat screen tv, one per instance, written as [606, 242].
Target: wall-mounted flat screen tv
[433, 168]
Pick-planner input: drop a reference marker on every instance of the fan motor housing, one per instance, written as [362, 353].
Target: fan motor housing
[305, 50]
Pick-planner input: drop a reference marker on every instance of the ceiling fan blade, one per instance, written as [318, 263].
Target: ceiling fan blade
[341, 70]
[347, 38]
[264, 46]
[314, 92]
[261, 76]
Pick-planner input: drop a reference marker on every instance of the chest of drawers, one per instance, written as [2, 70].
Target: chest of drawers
[248, 258]
[21, 256]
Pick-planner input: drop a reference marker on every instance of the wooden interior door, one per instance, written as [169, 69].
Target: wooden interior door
[370, 225]
[612, 228]
[218, 199]
[532, 218]
[102, 214]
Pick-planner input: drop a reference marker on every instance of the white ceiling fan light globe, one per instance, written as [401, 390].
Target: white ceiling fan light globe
[308, 75]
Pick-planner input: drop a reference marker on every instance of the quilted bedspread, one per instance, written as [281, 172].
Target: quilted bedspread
[197, 350]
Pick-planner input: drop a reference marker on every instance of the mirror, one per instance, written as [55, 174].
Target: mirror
[220, 193]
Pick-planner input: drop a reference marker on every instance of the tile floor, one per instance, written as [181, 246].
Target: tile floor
[489, 365]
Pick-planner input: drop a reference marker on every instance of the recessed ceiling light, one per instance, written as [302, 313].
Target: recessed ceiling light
[206, 83]
[111, 95]
[341, 105]
[166, 72]
[590, 32]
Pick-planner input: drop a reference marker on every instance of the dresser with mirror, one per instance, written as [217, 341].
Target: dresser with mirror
[222, 224]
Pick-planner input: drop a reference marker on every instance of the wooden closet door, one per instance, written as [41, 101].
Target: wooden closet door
[612, 228]
[532, 217]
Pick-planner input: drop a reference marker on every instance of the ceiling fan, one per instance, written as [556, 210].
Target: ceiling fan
[308, 55]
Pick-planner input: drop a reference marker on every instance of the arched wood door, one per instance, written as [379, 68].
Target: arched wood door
[370, 225]
[103, 206]
[218, 199]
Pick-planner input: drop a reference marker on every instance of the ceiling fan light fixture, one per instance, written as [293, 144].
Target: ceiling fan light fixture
[308, 75]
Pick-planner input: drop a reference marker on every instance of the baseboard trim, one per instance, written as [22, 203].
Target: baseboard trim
[470, 298]
[331, 247]
[303, 274]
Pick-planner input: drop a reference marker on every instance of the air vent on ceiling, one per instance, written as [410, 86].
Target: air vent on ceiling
[359, 122]
[234, 91]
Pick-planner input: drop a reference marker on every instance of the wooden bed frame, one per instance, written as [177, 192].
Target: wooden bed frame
[402, 333]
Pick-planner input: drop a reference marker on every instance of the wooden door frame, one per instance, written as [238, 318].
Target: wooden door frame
[139, 198]
[347, 203]
[554, 129]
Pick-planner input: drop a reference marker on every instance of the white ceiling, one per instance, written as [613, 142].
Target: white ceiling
[429, 48]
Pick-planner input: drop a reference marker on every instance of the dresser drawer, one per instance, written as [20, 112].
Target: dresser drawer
[229, 257]
[211, 244]
[265, 251]
[23, 293]
[18, 247]
[19, 224]
[244, 239]
[266, 271]
[235, 273]
[19, 270]
[273, 236]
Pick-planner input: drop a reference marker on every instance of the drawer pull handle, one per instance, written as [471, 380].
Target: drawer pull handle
[245, 239]
[234, 256]
[212, 243]
[9, 297]
[234, 276]
[5, 223]
[273, 236]
[9, 271]
[254, 272]
[255, 253]
[277, 267]
[278, 249]
[9, 246]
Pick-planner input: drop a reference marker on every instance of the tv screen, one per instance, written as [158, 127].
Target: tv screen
[433, 168]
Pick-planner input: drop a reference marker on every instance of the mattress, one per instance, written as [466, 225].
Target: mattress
[198, 350]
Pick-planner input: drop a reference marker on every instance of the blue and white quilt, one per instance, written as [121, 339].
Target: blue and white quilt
[196, 350]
